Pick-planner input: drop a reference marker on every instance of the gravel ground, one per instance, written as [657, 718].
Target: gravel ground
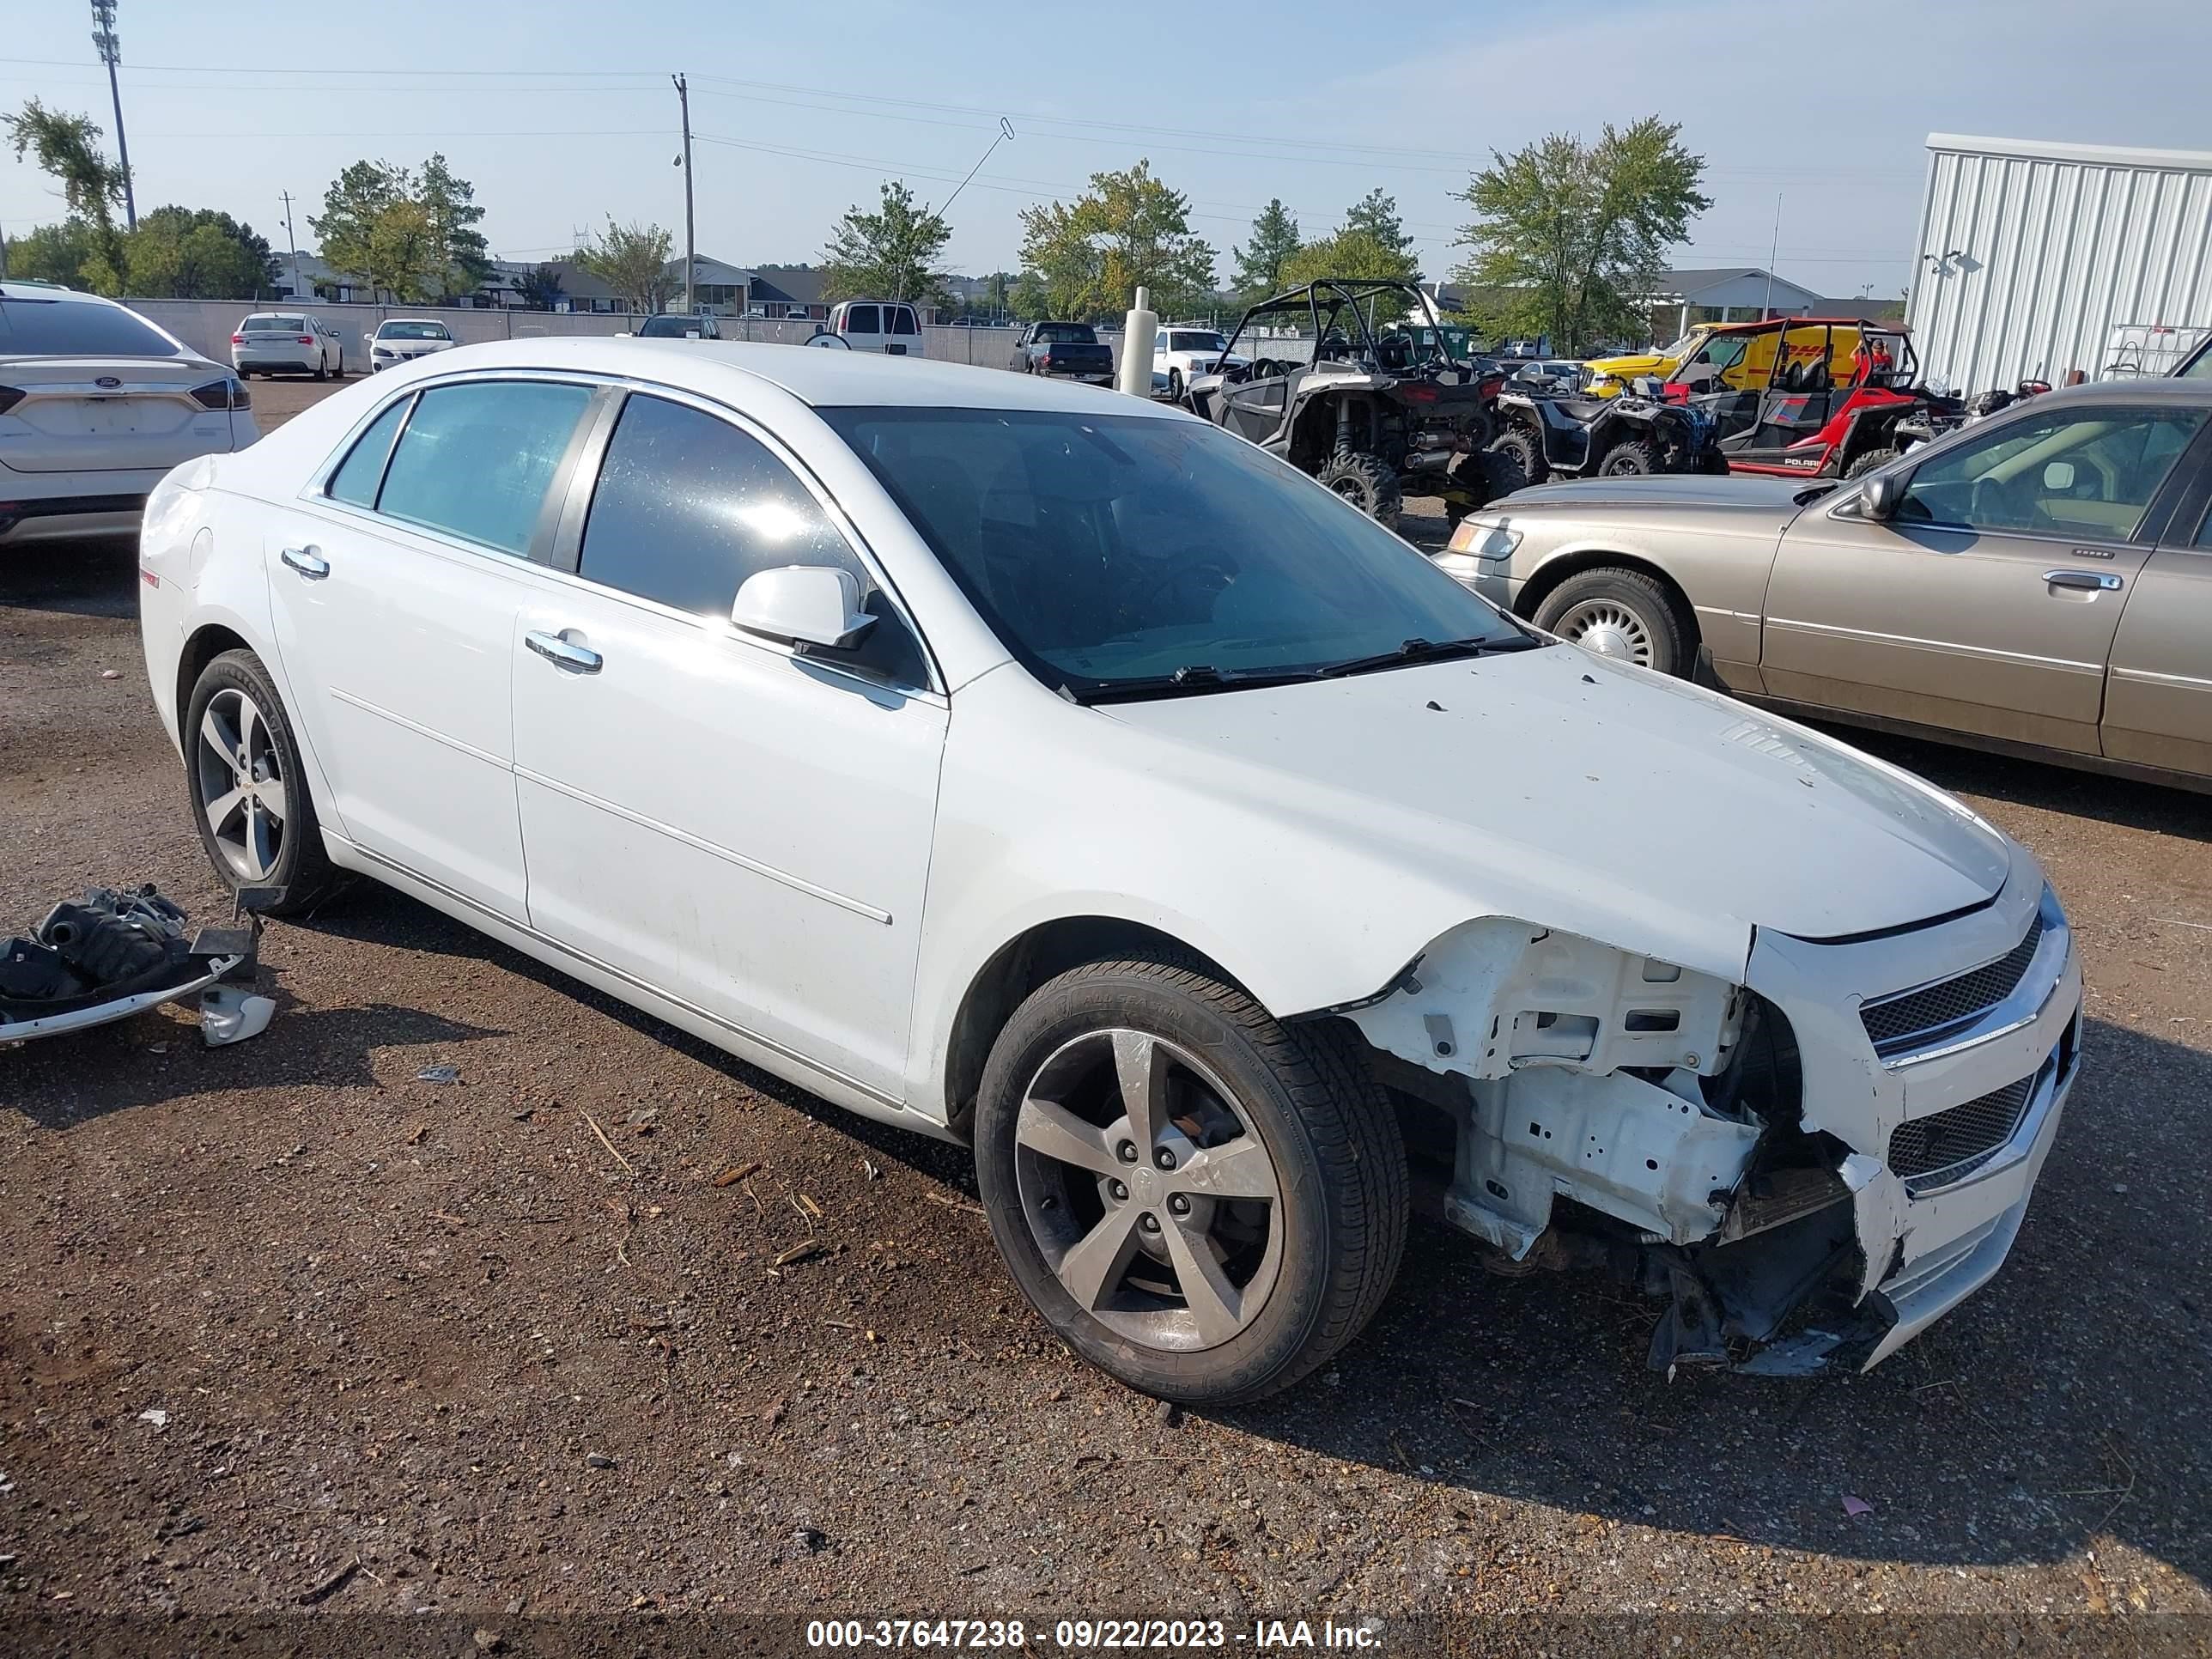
[282, 1323]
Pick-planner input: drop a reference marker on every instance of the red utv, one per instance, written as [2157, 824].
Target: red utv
[1807, 397]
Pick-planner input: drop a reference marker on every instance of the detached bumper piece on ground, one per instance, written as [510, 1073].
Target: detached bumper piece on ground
[110, 955]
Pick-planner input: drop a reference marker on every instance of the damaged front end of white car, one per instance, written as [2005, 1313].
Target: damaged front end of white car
[1810, 1164]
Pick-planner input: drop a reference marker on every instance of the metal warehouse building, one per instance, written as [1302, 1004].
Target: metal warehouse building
[2033, 254]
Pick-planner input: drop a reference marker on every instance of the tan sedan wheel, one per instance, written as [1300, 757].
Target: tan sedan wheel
[1619, 613]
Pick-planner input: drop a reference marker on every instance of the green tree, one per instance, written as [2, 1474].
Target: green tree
[1349, 253]
[1260, 262]
[889, 254]
[541, 288]
[632, 259]
[1570, 238]
[1129, 230]
[56, 253]
[1375, 216]
[67, 150]
[356, 199]
[463, 263]
[403, 253]
[184, 253]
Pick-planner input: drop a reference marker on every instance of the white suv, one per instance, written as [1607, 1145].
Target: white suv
[95, 405]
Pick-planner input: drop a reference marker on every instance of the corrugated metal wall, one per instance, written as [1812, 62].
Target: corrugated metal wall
[2030, 254]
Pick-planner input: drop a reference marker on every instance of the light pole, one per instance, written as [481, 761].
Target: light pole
[291, 242]
[111, 51]
[690, 246]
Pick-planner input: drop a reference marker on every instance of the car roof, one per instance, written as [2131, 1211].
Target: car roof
[822, 379]
[2156, 389]
[20, 288]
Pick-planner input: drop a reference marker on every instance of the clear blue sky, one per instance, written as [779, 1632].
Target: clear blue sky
[564, 113]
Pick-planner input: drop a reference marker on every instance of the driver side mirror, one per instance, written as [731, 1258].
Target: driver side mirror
[802, 605]
[1880, 497]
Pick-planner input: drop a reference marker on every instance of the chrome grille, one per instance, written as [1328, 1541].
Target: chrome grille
[1948, 1146]
[1915, 1019]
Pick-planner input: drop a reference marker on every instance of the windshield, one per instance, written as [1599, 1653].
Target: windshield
[75, 328]
[1200, 340]
[670, 328]
[1110, 551]
[1067, 334]
[2198, 367]
[275, 325]
[412, 331]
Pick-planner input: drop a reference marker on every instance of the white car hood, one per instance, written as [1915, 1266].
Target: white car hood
[1582, 794]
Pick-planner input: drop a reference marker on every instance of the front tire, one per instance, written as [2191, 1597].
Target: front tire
[1620, 613]
[1368, 483]
[1175, 385]
[1518, 444]
[1632, 457]
[249, 790]
[1199, 1200]
[1873, 460]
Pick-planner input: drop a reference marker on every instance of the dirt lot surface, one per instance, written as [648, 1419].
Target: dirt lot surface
[284, 1321]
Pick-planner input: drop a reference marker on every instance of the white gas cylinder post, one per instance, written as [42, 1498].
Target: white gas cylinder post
[1134, 373]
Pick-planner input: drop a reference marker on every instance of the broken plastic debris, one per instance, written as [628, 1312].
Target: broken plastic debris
[155, 1415]
[439, 1074]
[230, 1014]
[1856, 1505]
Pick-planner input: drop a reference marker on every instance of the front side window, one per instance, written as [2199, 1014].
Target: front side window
[2089, 473]
[356, 479]
[1111, 552]
[687, 506]
[476, 458]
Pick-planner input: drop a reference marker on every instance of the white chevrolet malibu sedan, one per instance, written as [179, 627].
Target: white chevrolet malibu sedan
[1071, 778]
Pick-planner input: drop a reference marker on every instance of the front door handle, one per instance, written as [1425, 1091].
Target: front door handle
[2093, 582]
[308, 562]
[563, 653]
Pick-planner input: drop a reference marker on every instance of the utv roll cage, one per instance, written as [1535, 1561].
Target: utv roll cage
[1326, 302]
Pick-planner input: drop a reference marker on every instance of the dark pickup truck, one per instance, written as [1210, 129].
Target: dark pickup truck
[1070, 350]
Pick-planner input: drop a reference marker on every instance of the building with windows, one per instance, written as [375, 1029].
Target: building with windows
[1729, 293]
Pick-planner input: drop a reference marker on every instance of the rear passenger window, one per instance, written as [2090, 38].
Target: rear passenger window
[899, 320]
[476, 459]
[357, 478]
[687, 506]
[861, 320]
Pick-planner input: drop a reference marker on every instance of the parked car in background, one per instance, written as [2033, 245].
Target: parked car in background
[1183, 351]
[679, 326]
[2038, 583]
[887, 327]
[96, 404]
[287, 342]
[1698, 994]
[1067, 350]
[402, 339]
[1559, 375]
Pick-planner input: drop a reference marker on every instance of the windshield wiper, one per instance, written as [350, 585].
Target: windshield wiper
[1192, 679]
[1413, 651]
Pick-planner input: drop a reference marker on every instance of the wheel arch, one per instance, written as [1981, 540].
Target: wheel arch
[1553, 572]
[1038, 953]
[207, 642]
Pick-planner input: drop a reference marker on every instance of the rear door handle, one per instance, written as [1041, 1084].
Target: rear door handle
[562, 652]
[2094, 581]
[308, 562]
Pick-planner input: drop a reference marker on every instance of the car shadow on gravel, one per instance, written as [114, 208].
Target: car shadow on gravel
[2065, 1402]
[77, 579]
[2153, 808]
[61, 1082]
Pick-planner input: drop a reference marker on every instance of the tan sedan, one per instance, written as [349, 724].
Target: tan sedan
[2038, 583]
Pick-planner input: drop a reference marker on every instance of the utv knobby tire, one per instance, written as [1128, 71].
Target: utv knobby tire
[1632, 457]
[303, 875]
[1368, 483]
[1307, 1092]
[1872, 460]
[1518, 444]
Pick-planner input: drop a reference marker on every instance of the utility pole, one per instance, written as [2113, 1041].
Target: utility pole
[691, 244]
[292, 242]
[111, 51]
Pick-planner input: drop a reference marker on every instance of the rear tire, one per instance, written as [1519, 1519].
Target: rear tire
[235, 727]
[1873, 460]
[1525, 450]
[1293, 1238]
[322, 369]
[1614, 611]
[1368, 483]
[1632, 457]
